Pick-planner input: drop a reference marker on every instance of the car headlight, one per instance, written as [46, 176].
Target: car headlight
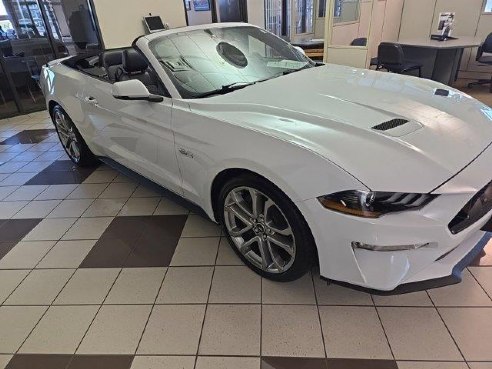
[368, 204]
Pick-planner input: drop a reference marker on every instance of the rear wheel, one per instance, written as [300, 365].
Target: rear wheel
[265, 228]
[71, 140]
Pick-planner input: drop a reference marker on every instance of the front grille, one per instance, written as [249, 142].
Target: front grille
[475, 209]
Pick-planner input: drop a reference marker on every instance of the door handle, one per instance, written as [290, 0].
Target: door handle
[90, 100]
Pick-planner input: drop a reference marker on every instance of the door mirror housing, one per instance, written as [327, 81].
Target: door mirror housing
[133, 89]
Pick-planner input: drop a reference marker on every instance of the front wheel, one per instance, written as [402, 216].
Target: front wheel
[265, 228]
[71, 140]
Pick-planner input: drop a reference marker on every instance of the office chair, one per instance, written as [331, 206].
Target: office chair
[392, 58]
[361, 41]
[486, 47]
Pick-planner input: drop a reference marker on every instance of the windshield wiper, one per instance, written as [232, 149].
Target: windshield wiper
[226, 88]
[307, 66]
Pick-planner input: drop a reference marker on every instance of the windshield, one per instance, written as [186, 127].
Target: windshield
[202, 61]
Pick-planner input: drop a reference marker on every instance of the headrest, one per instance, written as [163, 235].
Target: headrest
[6, 48]
[487, 45]
[133, 61]
[110, 58]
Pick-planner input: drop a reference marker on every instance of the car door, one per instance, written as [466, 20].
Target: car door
[136, 134]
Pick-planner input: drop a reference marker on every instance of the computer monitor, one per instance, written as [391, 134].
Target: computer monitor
[154, 23]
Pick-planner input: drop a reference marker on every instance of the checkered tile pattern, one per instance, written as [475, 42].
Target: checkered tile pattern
[98, 271]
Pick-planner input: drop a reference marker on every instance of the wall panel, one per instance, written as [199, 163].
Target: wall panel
[417, 18]
[121, 24]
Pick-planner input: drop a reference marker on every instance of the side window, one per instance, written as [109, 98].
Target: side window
[157, 88]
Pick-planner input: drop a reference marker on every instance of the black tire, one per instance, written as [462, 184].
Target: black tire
[86, 158]
[305, 251]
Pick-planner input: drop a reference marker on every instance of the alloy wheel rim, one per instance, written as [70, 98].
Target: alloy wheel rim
[67, 136]
[259, 230]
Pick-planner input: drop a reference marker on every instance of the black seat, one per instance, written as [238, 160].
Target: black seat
[392, 58]
[361, 41]
[111, 61]
[135, 67]
[486, 48]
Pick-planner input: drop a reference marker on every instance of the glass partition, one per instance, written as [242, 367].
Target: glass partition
[7, 101]
[34, 32]
[346, 11]
[290, 19]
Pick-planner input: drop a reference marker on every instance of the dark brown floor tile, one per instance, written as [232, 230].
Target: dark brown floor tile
[14, 230]
[61, 172]
[360, 364]
[47, 361]
[5, 247]
[127, 228]
[63, 165]
[292, 363]
[31, 136]
[108, 253]
[56, 178]
[101, 362]
[485, 257]
[164, 226]
[143, 241]
[152, 252]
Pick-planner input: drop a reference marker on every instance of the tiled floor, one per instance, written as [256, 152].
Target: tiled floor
[97, 271]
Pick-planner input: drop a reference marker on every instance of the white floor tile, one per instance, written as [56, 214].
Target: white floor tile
[231, 330]
[161, 362]
[185, 321]
[343, 327]
[37, 209]
[71, 208]
[235, 284]
[87, 287]
[40, 287]
[60, 330]
[195, 251]
[186, 285]
[281, 331]
[50, 229]
[136, 286]
[88, 229]
[9, 280]
[66, 254]
[116, 330]
[300, 291]
[25, 255]
[16, 322]
[418, 334]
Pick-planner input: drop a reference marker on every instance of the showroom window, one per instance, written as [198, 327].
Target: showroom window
[488, 6]
[32, 33]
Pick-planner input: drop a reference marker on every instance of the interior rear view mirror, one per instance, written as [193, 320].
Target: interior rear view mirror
[300, 49]
[133, 90]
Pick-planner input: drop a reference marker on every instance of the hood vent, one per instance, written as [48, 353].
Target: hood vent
[390, 124]
[441, 92]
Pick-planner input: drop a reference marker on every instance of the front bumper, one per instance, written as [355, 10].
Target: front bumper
[425, 284]
[438, 263]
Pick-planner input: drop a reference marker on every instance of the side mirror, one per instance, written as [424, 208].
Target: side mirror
[133, 89]
[300, 49]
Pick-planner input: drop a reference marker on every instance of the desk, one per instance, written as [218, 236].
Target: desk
[313, 48]
[441, 59]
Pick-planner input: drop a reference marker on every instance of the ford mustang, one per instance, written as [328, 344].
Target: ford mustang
[383, 180]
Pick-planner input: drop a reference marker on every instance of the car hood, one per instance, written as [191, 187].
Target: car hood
[332, 110]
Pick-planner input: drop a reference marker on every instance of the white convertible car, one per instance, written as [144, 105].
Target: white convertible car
[382, 179]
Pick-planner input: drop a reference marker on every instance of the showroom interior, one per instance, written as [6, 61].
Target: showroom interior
[86, 281]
